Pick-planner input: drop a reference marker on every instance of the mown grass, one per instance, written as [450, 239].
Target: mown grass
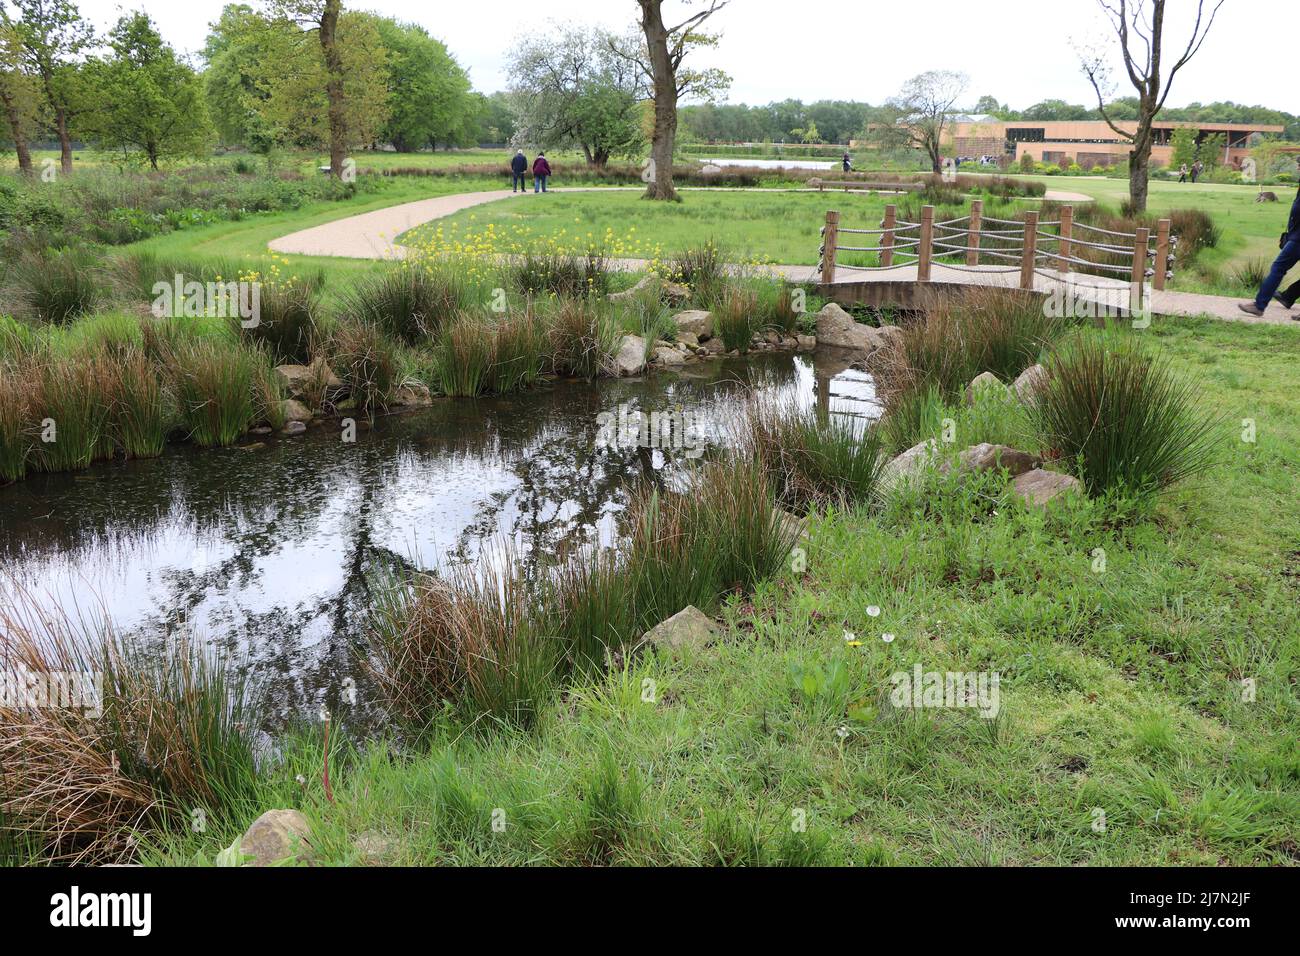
[1122, 691]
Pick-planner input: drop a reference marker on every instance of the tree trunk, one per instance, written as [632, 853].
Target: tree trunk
[664, 141]
[329, 24]
[65, 141]
[17, 133]
[1139, 167]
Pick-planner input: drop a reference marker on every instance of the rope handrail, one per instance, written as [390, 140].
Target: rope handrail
[1110, 267]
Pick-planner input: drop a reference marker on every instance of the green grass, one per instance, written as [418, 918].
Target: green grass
[1121, 692]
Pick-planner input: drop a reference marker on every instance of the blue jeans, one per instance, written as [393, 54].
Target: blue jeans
[1283, 264]
[539, 184]
[519, 182]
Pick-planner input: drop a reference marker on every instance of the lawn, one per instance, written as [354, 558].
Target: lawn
[1125, 734]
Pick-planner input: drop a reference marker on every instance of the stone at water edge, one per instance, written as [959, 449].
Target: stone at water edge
[891, 335]
[668, 356]
[1040, 488]
[1029, 383]
[696, 321]
[297, 379]
[986, 457]
[689, 339]
[981, 382]
[293, 428]
[630, 358]
[413, 395]
[295, 411]
[838, 329]
[713, 347]
[689, 627]
[276, 836]
[806, 343]
[647, 285]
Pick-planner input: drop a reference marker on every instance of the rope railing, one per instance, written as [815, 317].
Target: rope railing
[1033, 245]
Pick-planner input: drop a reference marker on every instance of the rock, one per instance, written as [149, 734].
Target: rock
[1039, 487]
[276, 836]
[630, 359]
[1029, 383]
[772, 338]
[668, 356]
[295, 411]
[838, 329]
[293, 428]
[688, 338]
[891, 336]
[649, 285]
[806, 343]
[982, 381]
[675, 294]
[299, 379]
[909, 464]
[689, 627]
[697, 322]
[789, 343]
[255, 446]
[413, 395]
[793, 528]
[261, 430]
[713, 347]
[986, 457]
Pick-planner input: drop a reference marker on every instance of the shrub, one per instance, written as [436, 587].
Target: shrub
[366, 362]
[213, 383]
[1121, 414]
[409, 302]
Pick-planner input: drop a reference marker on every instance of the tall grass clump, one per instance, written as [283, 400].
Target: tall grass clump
[463, 357]
[163, 737]
[141, 412]
[15, 443]
[1119, 412]
[287, 324]
[69, 413]
[702, 269]
[583, 338]
[213, 383]
[54, 286]
[541, 271]
[734, 319]
[366, 361]
[410, 301]
[813, 463]
[471, 640]
[518, 352]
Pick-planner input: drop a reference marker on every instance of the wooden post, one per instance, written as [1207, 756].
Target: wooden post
[973, 236]
[830, 239]
[887, 239]
[1162, 253]
[1065, 248]
[1030, 252]
[926, 250]
[1140, 246]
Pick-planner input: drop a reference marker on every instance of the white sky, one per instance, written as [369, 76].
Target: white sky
[1020, 53]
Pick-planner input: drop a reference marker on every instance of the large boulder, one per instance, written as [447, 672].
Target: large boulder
[630, 358]
[986, 457]
[1029, 383]
[1041, 488]
[909, 464]
[984, 381]
[696, 321]
[689, 627]
[275, 837]
[838, 329]
[298, 380]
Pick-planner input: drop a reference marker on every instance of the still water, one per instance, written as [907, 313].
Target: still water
[263, 550]
[773, 163]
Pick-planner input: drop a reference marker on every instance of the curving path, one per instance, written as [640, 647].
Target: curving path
[372, 235]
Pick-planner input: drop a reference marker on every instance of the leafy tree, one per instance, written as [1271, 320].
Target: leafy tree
[925, 104]
[238, 44]
[429, 95]
[497, 120]
[1183, 141]
[1212, 151]
[19, 97]
[142, 98]
[52, 37]
[570, 88]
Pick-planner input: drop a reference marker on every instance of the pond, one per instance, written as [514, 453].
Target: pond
[264, 550]
[773, 163]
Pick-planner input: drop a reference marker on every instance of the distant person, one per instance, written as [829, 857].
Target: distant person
[848, 163]
[1196, 171]
[541, 173]
[1182, 173]
[1286, 260]
[519, 170]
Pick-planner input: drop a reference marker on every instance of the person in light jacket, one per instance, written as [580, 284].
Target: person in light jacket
[518, 170]
[541, 173]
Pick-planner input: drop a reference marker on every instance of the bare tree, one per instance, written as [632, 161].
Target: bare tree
[924, 105]
[1141, 33]
[661, 59]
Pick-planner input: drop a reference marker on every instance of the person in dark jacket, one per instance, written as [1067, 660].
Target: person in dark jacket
[1286, 260]
[541, 173]
[848, 163]
[519, 170]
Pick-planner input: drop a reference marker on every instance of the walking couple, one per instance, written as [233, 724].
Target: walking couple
[519, 169]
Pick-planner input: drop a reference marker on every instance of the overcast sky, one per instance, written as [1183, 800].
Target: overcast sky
[1021, 53]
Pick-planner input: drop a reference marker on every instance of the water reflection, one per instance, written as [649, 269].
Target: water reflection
[264, 550]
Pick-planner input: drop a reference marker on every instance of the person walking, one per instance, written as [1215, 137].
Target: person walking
[1182, 173]
[848, 163]
[541, 173]
[518, 171]
[1196, 171]
[1286, 260]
